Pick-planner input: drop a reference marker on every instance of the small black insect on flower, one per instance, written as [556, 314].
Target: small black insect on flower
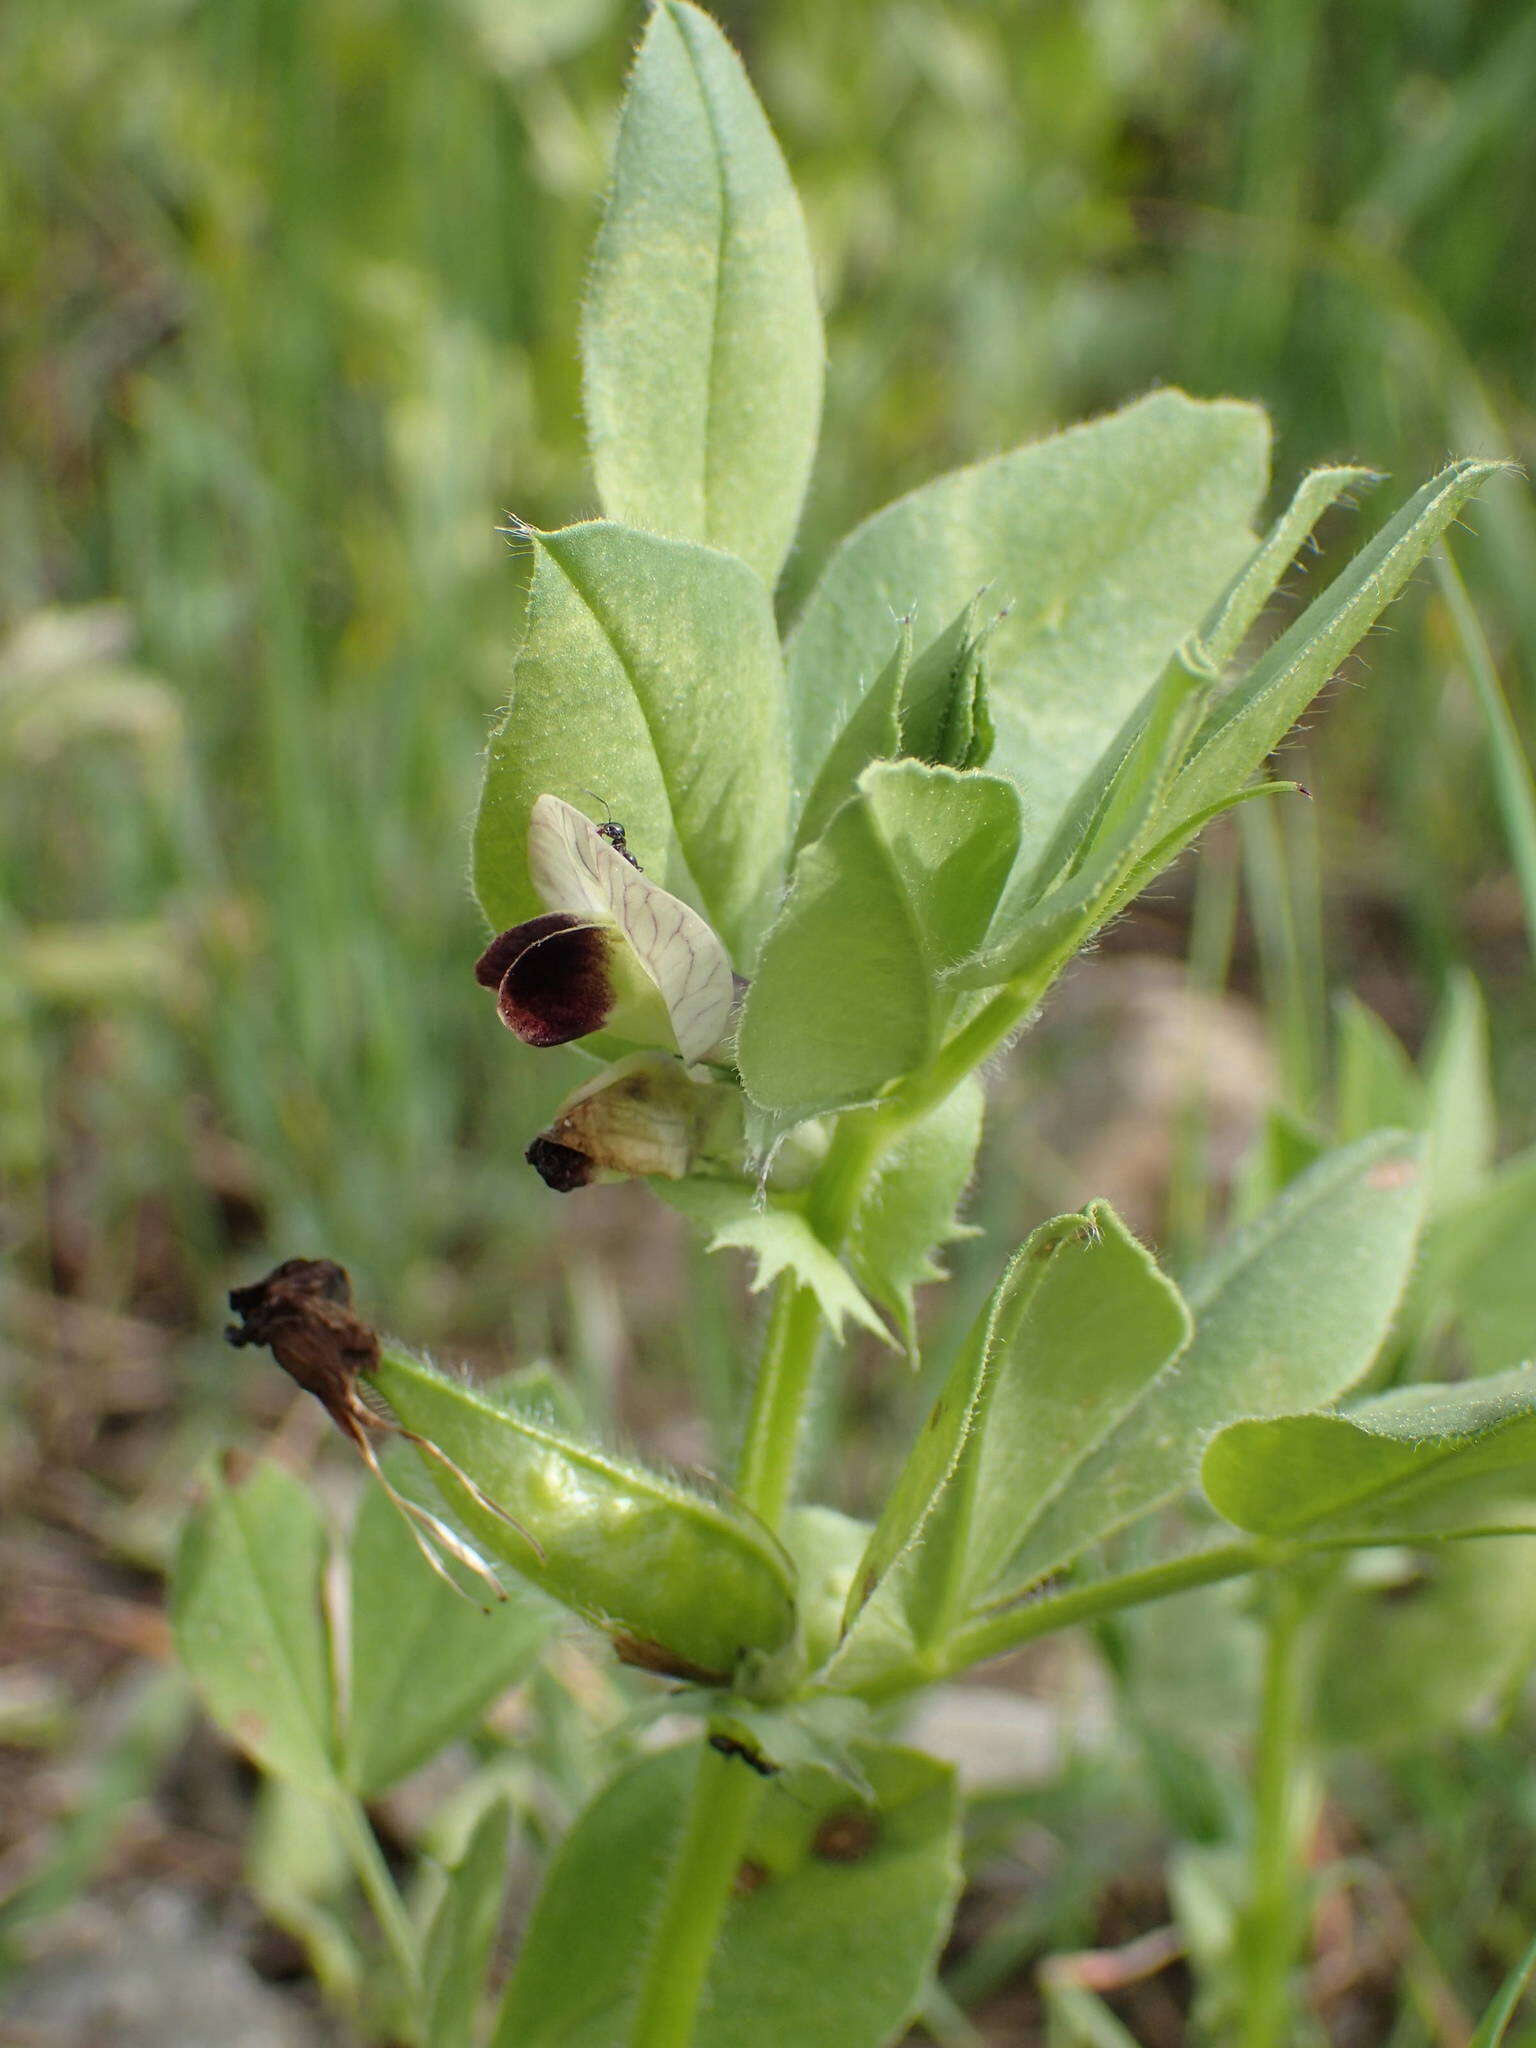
[612, 830]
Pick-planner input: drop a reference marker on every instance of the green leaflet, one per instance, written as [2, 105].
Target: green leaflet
[1095, 859]
[701, 343]
[683, 1581]
[1109, 542]
[1425, 1460]
[1158, 781]
[815, 1949]
[1151, 724]
[1462, 1123]
[872, 732]
[945, 719]
[1258, 712]
[1377, 1088]
[1078, 1326]
[245, 1605]
[649, 674]
[1289, 1314]
[1224, 631]
[850, 988]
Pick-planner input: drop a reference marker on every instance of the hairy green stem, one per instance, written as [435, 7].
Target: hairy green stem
[1009, 1628]
[1271, 1928]
[725, 1794]
[780, 1398]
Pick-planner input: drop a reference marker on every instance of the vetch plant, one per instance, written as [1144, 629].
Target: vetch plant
[851, 866]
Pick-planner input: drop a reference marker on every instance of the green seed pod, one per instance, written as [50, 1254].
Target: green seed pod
[685, 1583]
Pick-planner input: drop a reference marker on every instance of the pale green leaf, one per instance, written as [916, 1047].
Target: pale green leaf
[779, 1239]
[850, 990]
[1096, 858]
[701, 345]
[1424, 1460]
[1078, 1327]
[426, 1663]
[1225, 630]
[1258, 712]
[815, 1949]
[945, 717]
[1377, 1088]
[1108, 544]
[1154, 725]
[930, 706]
[649, 674]
[245, 1606]
[1289, 1314]
[1462, 1123]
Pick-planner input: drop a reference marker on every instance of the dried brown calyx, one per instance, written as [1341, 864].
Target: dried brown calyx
[302, 1313]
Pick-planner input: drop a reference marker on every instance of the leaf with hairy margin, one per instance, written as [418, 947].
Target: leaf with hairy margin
[1289, 1314]
[701, 341]
[1107, 545]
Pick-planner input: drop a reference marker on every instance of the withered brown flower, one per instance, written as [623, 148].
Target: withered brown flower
[302, 1313]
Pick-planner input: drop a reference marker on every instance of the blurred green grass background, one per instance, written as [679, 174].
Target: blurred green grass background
[290, 299]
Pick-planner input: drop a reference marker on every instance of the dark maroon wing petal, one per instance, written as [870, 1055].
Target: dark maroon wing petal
[491, 967]
[560, 987]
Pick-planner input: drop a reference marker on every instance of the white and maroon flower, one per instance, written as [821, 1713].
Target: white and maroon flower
[613, 952]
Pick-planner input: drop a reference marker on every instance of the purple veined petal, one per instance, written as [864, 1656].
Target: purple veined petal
[574, 869]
